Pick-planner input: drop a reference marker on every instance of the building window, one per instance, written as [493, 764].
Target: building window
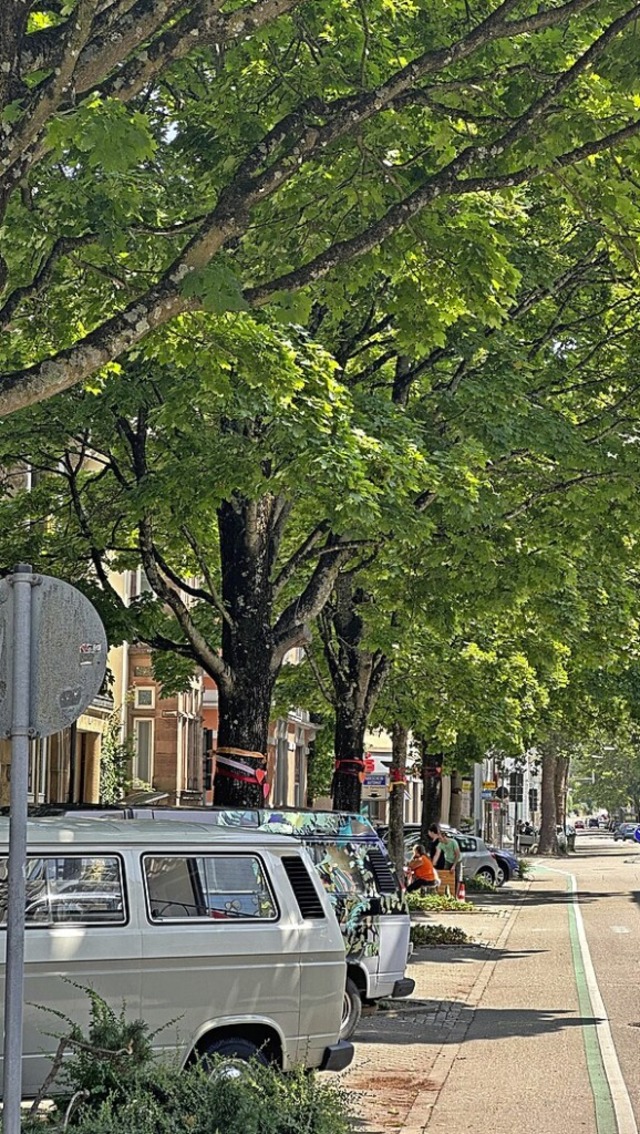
[138, 583]
[300, 783]
[281, 786]
[143, 744]
[144, 697]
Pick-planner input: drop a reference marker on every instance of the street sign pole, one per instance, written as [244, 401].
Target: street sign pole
[20, 728]
[53, 652]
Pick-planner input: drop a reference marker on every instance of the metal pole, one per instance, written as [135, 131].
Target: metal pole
[20, 729]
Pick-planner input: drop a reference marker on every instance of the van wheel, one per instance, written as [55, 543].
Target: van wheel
[227, 1058]
[351, 1009]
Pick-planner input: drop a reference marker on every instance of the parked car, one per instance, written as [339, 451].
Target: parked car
[228, 932]
[593, 822]
[360, 880]
[625, 831]
[579, 824]
[508, 865]
[477, 859]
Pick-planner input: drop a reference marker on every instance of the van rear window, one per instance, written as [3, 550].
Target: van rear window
[78, 889]
[218, 887]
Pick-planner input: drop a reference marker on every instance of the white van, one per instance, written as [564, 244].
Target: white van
[228, 934]
[355, 869]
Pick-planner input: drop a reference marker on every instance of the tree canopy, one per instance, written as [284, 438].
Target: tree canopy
[160, 157]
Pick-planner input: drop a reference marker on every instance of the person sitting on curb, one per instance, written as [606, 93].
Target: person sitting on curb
[421, 872]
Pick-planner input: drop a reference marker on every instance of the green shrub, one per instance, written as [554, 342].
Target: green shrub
[106, 1062]
[425, 903]
[113, 1085]
[480, 885]
[164, 1100]
[524, 867]
[192, 1102]
[438, 935]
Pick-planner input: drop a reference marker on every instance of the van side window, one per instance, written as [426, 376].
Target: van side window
[207, 886]
[78, 889]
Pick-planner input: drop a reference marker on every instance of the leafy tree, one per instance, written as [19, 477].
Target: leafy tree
[160, 158]
[211, 494]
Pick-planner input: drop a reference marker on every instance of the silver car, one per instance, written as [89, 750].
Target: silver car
[477, 860]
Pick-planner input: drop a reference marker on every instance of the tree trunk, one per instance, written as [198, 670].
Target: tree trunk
[560, 787]
[349, 752]
[244, 699]
[431, 790]
[357, 677]
[548, 843]
[455, 810]
[244, 713]
[399, 736]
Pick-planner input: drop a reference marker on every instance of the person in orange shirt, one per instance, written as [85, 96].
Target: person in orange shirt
[421, 870]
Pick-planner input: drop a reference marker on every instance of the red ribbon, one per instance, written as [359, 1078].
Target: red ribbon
[356, 769]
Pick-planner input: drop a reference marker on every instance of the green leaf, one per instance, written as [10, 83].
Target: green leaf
[217, 286]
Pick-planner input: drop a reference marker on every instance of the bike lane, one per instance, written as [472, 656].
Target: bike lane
[526, 1060]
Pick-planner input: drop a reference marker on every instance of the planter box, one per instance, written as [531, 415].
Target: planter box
[447, 882]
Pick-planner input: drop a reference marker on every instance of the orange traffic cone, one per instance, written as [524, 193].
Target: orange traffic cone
[462, 892]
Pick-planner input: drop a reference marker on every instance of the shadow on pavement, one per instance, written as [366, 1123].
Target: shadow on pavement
[445, 1021]
[539, 897]
[461, 954]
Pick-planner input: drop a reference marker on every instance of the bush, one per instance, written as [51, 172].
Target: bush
[113, 1085]
[263, 1101]
[481, 886]
[425, 903]
[524, 867]
[438, 935]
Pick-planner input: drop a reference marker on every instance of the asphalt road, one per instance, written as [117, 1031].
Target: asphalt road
[608, 876]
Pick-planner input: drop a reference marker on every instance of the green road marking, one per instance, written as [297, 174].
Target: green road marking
[606, 1122]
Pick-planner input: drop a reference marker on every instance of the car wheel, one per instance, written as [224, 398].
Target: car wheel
[487, 874]
[227, 1058]
[502, 875]
[351, 1009]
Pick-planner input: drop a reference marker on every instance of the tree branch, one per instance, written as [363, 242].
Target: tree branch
[291, 626]
[213, 596]
[325, 690]
[169, 593]
[300, 556]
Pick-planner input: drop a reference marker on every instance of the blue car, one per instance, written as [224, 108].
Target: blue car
[508, 866]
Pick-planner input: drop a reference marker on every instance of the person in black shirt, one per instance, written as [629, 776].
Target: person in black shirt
[434, 847]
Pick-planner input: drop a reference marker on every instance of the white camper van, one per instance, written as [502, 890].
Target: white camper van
[227, 933]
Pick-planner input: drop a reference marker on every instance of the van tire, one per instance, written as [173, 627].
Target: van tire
[229, 1053]
[351, 1009]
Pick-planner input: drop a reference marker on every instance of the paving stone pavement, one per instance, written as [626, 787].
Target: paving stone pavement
[403, 1053]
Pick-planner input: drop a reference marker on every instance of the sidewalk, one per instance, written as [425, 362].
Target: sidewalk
[483, 1018]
